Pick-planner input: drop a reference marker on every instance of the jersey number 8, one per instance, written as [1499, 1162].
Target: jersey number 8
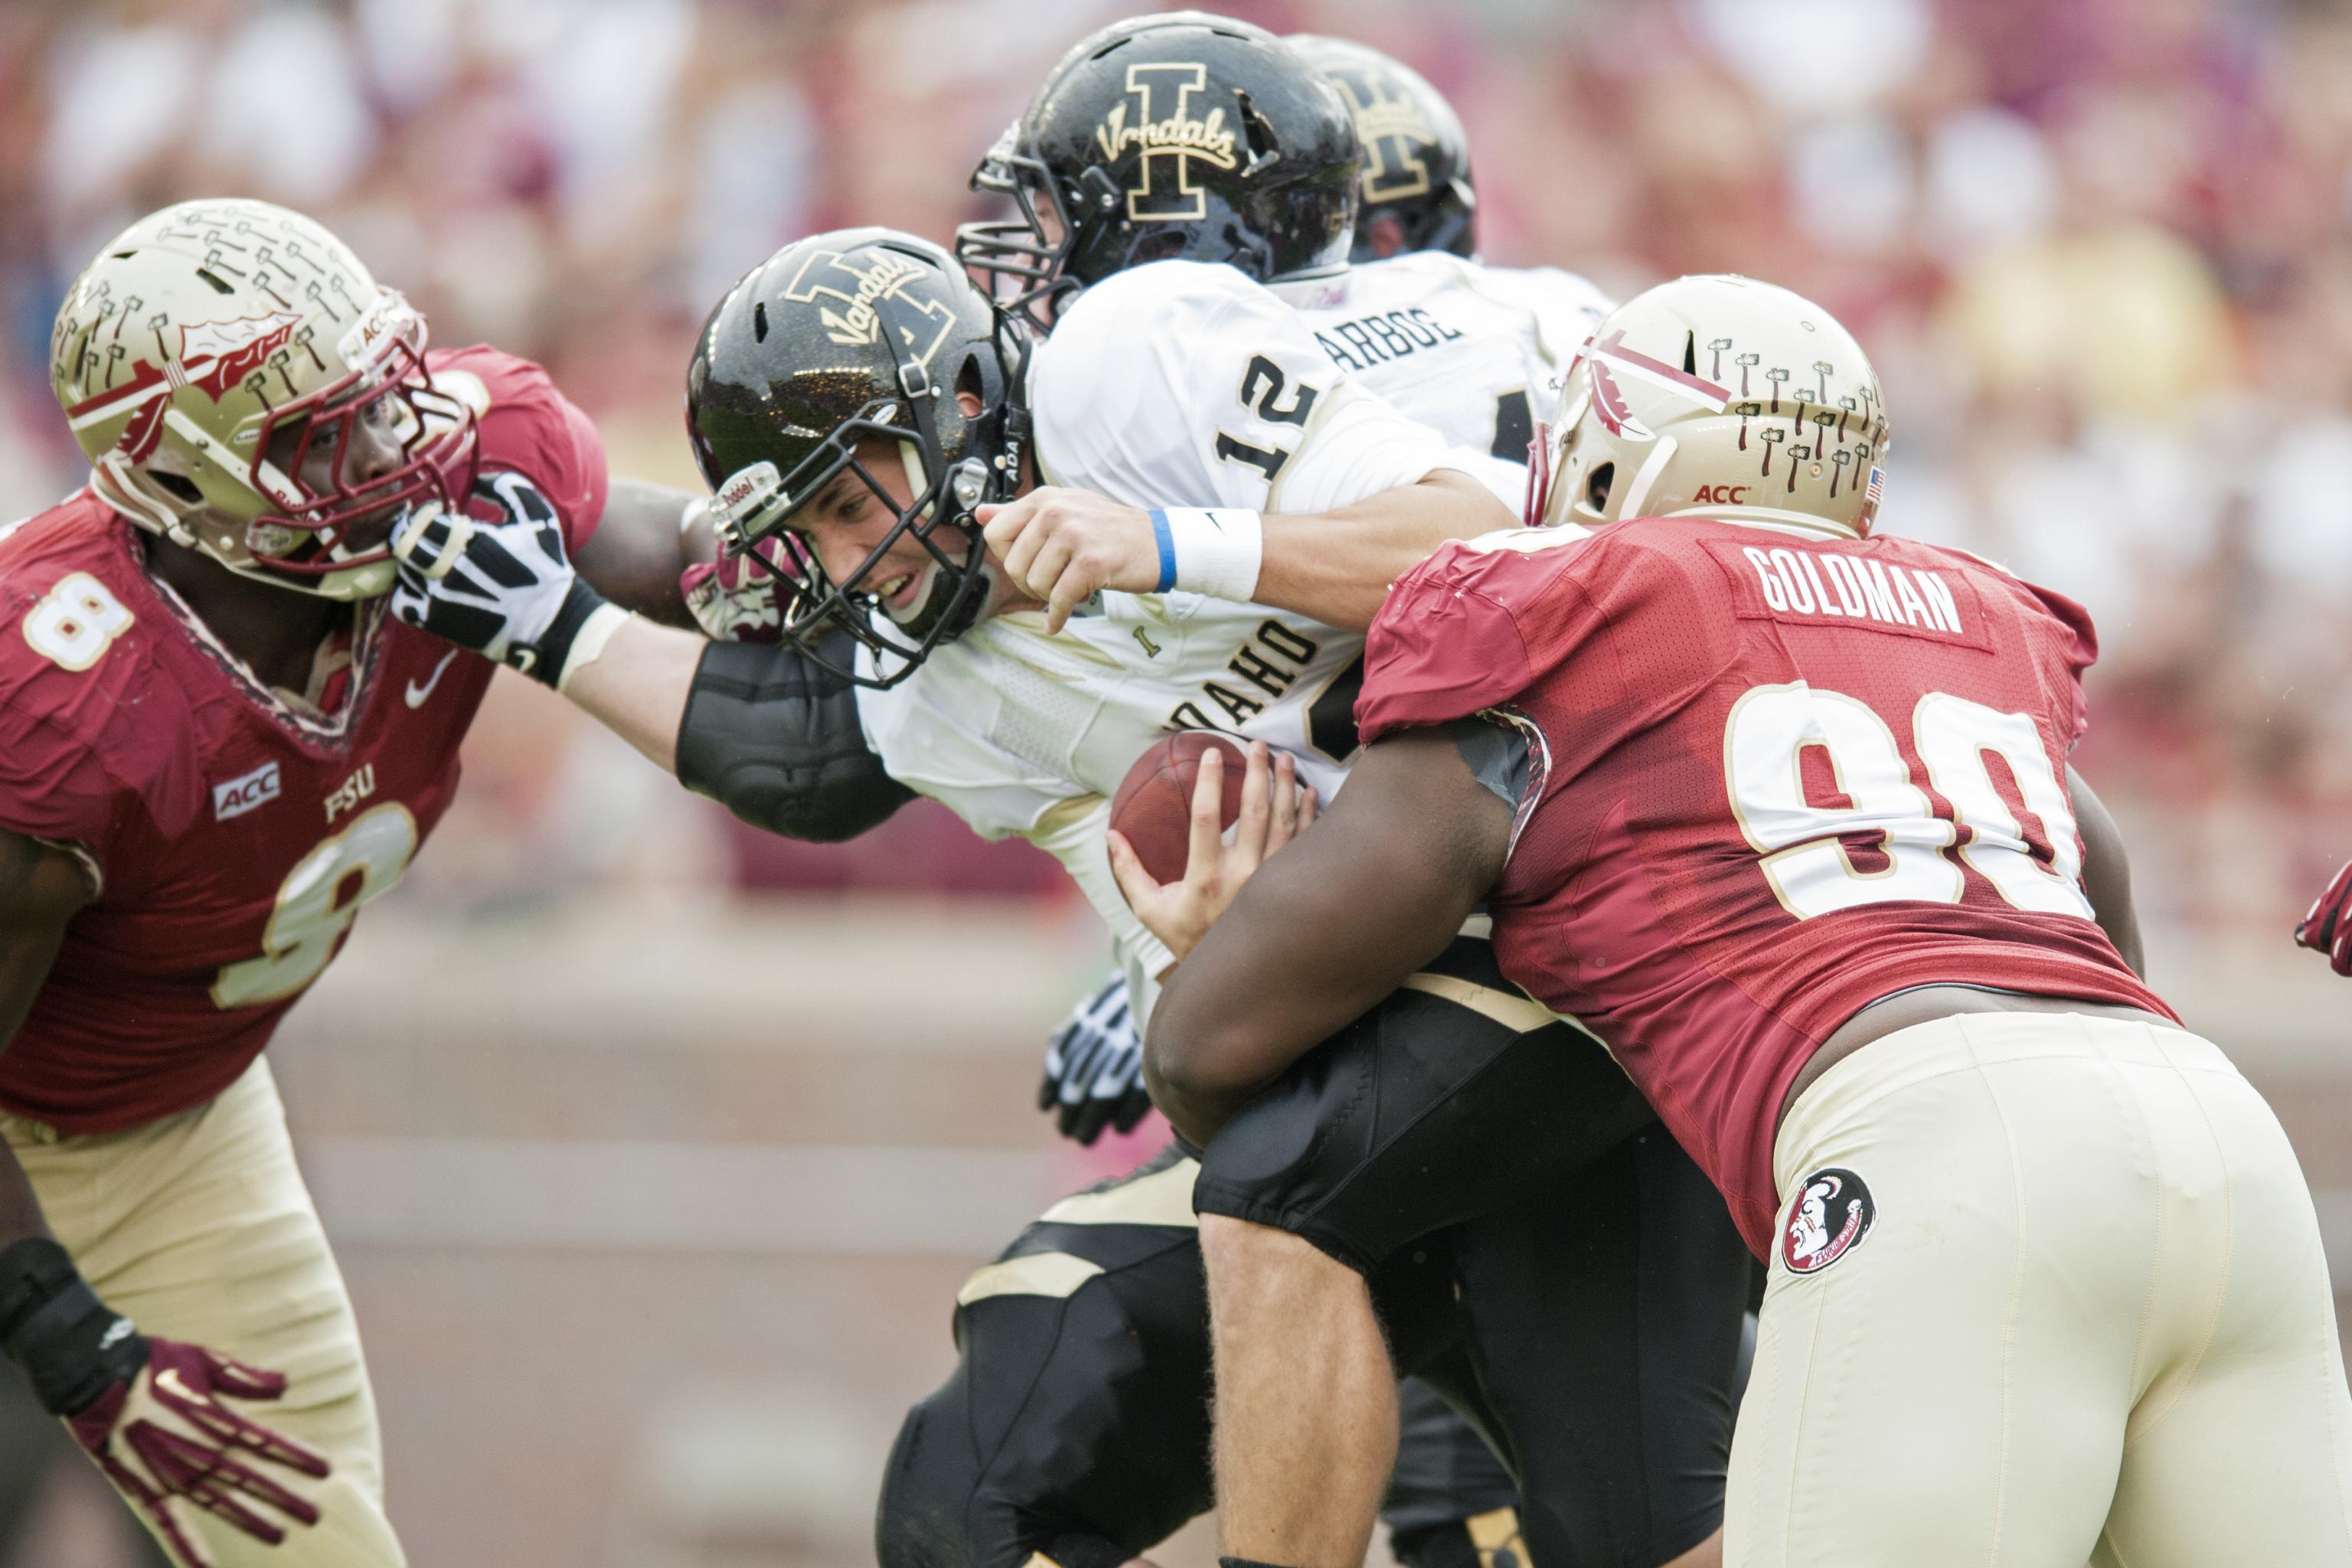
[317, 905]
[76, 622]
[1804, 857]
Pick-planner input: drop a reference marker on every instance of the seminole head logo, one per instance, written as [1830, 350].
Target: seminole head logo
[848, 290]
[1833, 1213]
[1156, 119]
[1393, 128]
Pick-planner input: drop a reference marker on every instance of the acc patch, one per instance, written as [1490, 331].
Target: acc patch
[1833, 1213]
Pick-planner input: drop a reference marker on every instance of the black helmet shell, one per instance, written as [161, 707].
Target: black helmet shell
[815, 335]
[842, 339]
[1180, 135]
[1415, 191]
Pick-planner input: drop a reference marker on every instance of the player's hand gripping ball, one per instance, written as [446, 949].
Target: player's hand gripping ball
[1153, 807]
[2328, 927]
[1178, 895]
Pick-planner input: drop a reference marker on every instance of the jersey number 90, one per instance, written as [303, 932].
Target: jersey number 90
[1802, 845]
[320, 898]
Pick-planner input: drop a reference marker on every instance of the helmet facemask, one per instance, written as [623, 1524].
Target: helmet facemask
[226, 496]
[954, 462]
[1022, 263]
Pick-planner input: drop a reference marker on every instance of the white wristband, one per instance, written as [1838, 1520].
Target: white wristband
[1211, 551]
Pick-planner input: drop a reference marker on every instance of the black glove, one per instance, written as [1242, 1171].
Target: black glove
[505, 589]
[1093, 1068]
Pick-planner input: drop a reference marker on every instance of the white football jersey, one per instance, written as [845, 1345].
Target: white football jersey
[1476, 352]
[1181, 384]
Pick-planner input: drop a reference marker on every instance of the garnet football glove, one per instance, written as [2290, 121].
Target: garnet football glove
[2328, 927]
[736, 599]
[150, 1411]
[505, 589]
[1093, 1068]
[166, 1441]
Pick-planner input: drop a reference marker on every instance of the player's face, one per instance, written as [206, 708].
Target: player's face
[372, 451]
[849, 520]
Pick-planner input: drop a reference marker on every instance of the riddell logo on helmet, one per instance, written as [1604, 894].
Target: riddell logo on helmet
[1721, 495]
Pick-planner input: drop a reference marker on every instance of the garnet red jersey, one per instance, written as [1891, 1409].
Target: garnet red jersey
[1782, 776]
[234, 835]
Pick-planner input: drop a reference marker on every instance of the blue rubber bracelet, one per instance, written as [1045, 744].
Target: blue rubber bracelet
[1167, 551]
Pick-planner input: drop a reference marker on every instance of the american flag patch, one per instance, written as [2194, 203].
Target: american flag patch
[1876, 487]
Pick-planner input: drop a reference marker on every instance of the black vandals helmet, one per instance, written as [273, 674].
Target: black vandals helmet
[842, 337]
[1180, 135]
[1415, 191]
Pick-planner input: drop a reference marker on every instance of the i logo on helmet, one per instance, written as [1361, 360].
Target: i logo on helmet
[1180, 137]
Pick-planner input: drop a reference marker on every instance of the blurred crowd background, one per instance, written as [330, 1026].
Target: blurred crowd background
[2101, 251]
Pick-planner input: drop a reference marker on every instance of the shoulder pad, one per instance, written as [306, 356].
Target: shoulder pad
[528, 427]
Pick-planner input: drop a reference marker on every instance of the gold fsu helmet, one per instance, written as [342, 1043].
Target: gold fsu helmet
[1722, 396]
[203, 332]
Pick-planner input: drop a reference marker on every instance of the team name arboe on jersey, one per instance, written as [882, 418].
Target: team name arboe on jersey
[1382, 336]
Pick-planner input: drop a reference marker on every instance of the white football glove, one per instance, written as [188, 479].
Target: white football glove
[506, 590]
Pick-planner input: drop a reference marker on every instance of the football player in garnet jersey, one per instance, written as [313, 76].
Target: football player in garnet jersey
[214, 746]
[1783, 810]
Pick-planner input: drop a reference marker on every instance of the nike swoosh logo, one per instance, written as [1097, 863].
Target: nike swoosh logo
[170, 1383]
[417, 694]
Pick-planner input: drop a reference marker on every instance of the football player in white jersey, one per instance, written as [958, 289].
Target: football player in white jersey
[1478, 353]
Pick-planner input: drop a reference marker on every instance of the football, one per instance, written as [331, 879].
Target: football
[1154, 804]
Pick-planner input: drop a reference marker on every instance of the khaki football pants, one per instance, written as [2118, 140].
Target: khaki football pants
[198, 1229]
[2088, 1318]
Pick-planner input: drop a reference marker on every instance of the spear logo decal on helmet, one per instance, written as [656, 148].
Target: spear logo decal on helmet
[213, 356]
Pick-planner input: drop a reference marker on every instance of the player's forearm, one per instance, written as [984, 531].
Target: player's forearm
[41, 889]
[20, 1211]
[637, 686]
[649, 534]
[1326, 929]
[2106, 873]
[773, 735]
[1336, 566]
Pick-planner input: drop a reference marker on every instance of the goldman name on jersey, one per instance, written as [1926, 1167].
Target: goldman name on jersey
[1822, 585]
